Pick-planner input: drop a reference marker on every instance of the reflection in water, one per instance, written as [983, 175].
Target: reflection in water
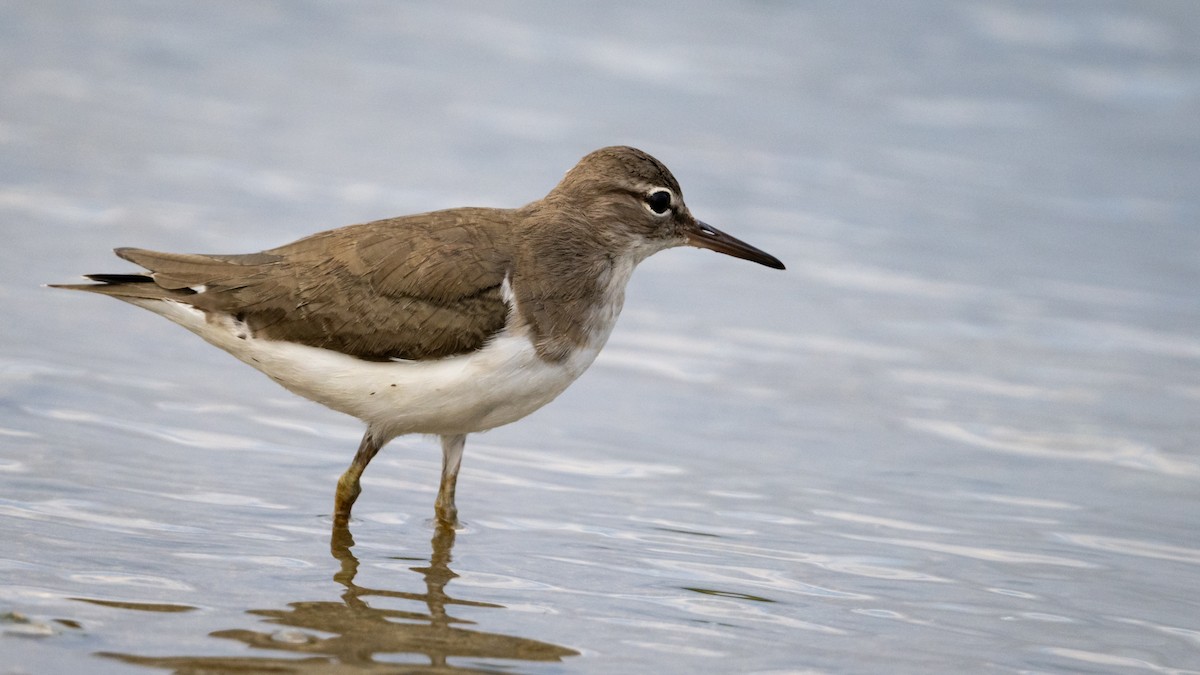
[360, 633]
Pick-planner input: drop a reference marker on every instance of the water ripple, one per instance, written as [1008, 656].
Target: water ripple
[1126, 663]
[742, 575]
[85, 512]
[217, 498]
[1134, 547]
[979, 384]
[978, 552]
[192, 438]
[134, 580]
[890, 523]
[1084, 447]
[727, 610]
[574, 465]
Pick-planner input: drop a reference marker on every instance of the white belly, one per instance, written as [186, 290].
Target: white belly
[497, 385]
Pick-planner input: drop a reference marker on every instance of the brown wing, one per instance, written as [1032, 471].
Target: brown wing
[417, 287]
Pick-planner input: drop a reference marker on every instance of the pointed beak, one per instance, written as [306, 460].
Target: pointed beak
[703, 235]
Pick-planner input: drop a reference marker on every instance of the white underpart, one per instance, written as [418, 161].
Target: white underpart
[499, 384]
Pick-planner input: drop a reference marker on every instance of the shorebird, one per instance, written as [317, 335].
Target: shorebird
[445, 323]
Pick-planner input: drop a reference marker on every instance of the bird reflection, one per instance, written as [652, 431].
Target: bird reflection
[351, 633]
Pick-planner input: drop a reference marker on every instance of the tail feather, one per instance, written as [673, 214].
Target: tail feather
[171, 276]
[120, 278]
[152, 285]
[179, 271]
[127, 286]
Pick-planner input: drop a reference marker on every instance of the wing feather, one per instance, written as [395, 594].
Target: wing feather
[417, 287]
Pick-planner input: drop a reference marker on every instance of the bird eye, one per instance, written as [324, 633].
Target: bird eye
[659, 201]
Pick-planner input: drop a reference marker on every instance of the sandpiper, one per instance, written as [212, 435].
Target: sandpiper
[445, 323]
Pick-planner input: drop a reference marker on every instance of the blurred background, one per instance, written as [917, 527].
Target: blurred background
[959, 433]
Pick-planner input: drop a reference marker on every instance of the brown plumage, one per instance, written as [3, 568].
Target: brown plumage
[415, 287]
[409, 293]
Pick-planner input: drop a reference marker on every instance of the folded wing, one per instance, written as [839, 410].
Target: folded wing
[418, 287]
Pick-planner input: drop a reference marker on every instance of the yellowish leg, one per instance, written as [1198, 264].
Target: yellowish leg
[452, 449]
[348, 487]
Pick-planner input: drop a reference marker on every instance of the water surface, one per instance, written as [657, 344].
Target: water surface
[959, 434]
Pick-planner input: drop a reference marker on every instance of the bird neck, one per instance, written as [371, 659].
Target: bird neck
[568, 282]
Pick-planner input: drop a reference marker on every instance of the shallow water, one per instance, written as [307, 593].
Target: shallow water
[958, 434]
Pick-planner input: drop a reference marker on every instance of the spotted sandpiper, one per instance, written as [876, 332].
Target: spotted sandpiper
[444, 323]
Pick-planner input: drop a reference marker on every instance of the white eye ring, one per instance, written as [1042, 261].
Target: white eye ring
[655, 204]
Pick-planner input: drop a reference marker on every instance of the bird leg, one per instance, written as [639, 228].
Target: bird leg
[348, 488]
[452, 449]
